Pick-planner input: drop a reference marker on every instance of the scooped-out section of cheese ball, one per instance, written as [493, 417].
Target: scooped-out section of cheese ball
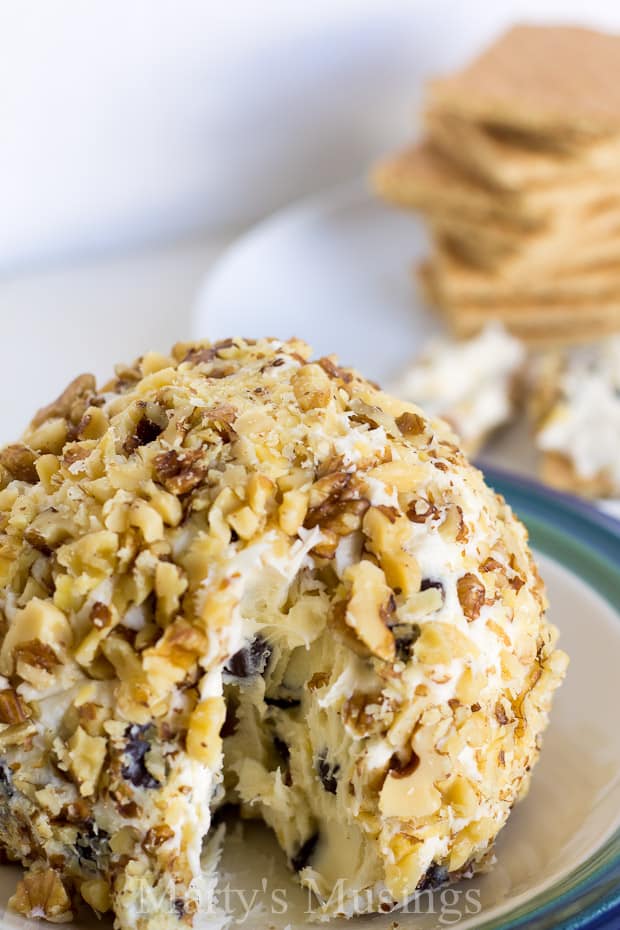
[238, 575]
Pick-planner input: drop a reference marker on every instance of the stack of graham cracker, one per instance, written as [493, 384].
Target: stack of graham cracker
[519, 180]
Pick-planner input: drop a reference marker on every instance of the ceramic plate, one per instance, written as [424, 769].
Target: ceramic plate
[558, 858]
[336, 270]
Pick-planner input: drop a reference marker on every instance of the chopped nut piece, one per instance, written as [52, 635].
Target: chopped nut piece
[312, 387]
[261, 493]
[86, 757]
[325, 494]
[17, 734]
[147, 520]
[244, 522]
[72, 402]
[453, 526]
[410, 424]
[42, 894]
[180, 472]
[96, 893]
[204, 743]
[292, 511]
[420, 510]
[440, 643]
[39, 622]
[388, 540]
[329, 366]
[472, 594]
[366, 608]
[47, 531]
[12, 708]
[20, 461]
[158, 835]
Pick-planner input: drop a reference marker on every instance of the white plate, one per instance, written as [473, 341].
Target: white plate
[333, 270]
[336, 270]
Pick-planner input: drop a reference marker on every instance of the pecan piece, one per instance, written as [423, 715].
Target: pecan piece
[37, 654]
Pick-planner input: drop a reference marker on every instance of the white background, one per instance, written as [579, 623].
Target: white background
[126, 121]
[138, 136]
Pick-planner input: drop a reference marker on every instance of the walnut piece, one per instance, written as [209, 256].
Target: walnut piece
[41, 894]
[71, 404]
[20, 461]
[471, 593]
[368, 607]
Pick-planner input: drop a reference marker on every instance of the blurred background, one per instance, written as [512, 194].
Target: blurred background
[138, 139]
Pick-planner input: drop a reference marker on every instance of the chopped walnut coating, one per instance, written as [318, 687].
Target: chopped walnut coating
[237, 574]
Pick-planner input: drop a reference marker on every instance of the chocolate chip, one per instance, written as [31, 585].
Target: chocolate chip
[284, 703]
[305, 852]
[224, 813]
[6, 781]
[135, 771]
[92, 843]
[281, 748]
[402, 768]
[327, 773]
[231, 722]
[179, 907]
[405, 636]
[252, 660]
[427, 583]
[435, 877]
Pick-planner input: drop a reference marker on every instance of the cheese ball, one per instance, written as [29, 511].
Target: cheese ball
[235, 575]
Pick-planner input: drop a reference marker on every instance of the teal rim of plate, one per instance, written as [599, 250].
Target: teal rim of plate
[587, 542]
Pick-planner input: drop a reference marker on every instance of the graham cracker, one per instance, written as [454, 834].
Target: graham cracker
[588, 233]
[509, 164]
[423, 179]
[565, 324]
[543, 255]
[548, 80]
[455, 281]
[560, 322]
